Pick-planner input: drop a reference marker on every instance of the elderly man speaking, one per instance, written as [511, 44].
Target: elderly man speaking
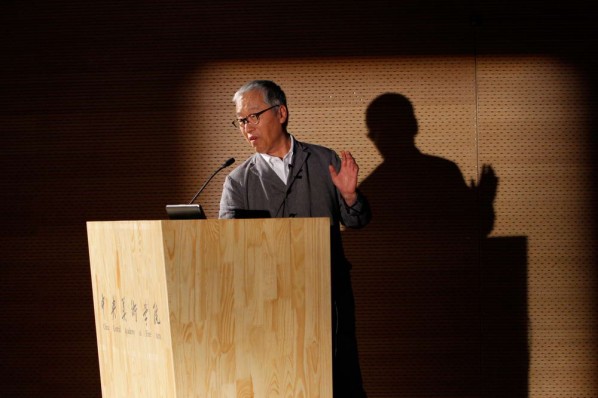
[289, 178]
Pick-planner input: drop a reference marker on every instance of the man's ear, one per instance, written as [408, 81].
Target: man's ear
[283, 114]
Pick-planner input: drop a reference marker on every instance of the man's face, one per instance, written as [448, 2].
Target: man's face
[268, 136]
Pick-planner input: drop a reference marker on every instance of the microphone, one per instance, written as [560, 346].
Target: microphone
[224, 165]
[190, 210]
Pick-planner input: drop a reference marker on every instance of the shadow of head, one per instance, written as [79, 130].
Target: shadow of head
[391, 122]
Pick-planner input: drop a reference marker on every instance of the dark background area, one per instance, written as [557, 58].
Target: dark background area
[90, 91]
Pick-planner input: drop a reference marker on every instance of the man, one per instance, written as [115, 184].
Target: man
[289, 178]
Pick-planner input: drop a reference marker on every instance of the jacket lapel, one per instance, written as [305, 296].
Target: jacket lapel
[300, 155]
[266, 175]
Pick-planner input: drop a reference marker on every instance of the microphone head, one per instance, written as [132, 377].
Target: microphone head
[228, 162]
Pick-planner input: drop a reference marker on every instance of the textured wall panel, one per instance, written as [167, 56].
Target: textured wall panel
[431, 305]
[534, 129]
[111, 110]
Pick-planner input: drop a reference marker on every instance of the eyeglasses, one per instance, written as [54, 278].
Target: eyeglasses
[254, 118]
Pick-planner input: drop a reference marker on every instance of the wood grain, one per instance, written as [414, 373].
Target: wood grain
[246, 307]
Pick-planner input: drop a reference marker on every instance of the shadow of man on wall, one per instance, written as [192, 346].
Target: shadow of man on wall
[419, 282]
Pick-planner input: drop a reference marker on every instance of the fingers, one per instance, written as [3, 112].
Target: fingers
[346, 155]
[348, 167]
[347, 160]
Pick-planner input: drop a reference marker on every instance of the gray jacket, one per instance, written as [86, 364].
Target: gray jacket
[309, 191]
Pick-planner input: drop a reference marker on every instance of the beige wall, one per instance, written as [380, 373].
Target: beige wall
[526, 117]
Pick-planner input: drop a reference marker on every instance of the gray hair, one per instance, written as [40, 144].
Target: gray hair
[273, 94]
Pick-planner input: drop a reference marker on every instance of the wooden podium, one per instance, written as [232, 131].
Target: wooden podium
[213, 308]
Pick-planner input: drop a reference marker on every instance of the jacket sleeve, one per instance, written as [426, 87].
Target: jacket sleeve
[356, 216]
[231, 199]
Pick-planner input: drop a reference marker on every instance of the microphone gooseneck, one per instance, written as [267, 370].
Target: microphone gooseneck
[224, 165]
